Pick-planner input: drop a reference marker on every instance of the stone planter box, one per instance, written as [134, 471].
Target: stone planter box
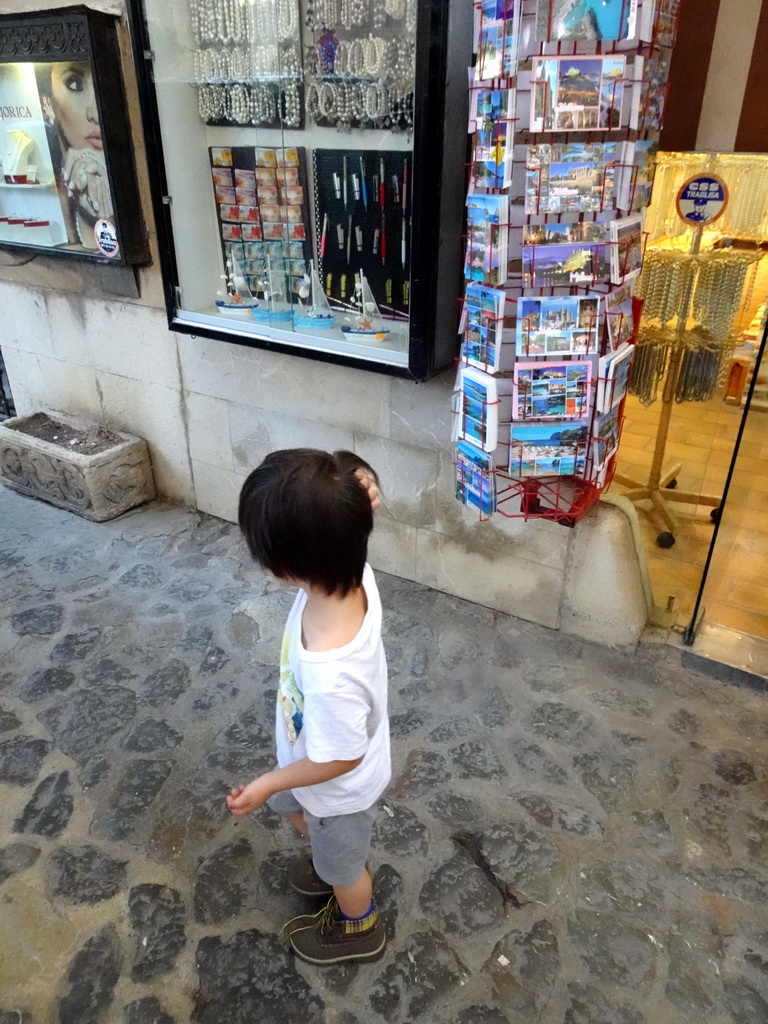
[75, 464]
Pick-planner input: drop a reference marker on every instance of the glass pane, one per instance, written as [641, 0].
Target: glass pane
[736, 592]
[287, 133]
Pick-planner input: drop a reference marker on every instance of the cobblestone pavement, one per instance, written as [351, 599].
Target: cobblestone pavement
[573, 836]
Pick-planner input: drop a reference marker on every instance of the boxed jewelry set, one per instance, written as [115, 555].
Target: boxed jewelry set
[566, 103]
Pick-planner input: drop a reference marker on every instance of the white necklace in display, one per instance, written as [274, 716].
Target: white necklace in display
[287, 19]
[395, 8]
[240, 104]
[354, 13]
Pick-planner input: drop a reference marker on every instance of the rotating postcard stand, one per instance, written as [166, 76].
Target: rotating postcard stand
[275, 309]
[314, 311]
[660, 489]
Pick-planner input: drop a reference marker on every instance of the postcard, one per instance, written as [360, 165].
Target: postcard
[552, 390]
[235, 249]
[265, 176]
[645, 161]
[268, 194]
[577, 93]
[484, 326]
[296, 232]
[288, 176]
[255, 250]
[487, 242]
[593, 20]
[570, 178]
[492, 150]
[484, 402]
[266, 158]
[249, 214]
[605, 438]
[292, 214]
[232, 232]
[619, 316]
[245, 179]
[277, 250]
[222, 177]
[221, 157]
[565, 234]
[565, 266]
[498, 42]
[246, 196]
[225, 195]
[252, 232]
[665, 22]
[613, 375]
[475, 480]
[229, 213]
[559, 326]
[653, 94]
[543, 449]
[293, 194]
[626, 248]
[296, 250]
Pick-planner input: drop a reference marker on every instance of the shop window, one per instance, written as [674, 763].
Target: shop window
[307, 157]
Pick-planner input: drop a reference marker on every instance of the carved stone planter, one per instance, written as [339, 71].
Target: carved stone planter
[75, 464]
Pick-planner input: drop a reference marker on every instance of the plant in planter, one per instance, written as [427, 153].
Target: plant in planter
[75, 464]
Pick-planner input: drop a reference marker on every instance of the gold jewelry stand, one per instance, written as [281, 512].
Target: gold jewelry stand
[660, 489]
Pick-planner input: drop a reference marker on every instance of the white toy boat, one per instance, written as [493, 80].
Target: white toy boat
[317, 315]
[275, 309]
[366, 325]
[238, 300]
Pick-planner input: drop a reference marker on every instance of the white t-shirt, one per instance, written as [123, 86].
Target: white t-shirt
[332, 706]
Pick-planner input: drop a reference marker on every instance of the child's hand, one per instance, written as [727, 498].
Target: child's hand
[370, 485]
[247, 799]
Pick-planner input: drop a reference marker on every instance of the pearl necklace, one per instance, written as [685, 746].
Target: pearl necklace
[354, 13]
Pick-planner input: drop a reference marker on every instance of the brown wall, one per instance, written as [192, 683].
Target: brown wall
[688, 74]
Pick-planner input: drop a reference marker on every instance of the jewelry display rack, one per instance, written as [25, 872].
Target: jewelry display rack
[701, 292]
[556, 186]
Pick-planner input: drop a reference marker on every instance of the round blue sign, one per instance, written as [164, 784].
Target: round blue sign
[702, 199]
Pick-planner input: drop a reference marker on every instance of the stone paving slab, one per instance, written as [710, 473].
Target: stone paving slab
[574, 835]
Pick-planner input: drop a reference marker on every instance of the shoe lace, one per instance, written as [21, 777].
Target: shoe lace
[323, 917]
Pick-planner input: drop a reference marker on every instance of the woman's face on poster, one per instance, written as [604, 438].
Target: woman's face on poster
[73, 105]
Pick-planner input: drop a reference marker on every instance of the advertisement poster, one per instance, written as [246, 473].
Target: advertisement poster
[54, 191]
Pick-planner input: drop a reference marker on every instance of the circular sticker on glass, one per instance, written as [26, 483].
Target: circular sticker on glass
[702, 199]
[106, 237]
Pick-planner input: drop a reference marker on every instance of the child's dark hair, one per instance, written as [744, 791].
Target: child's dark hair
[306, 516]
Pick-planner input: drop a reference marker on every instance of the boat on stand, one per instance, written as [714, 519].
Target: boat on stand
[366, 324]
[237, 301]
[314, 311]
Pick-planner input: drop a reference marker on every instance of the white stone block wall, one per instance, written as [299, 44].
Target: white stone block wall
[211, 410]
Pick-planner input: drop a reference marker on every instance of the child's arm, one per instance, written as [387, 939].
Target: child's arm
[246, 799]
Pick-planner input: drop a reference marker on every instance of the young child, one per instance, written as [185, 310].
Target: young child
[306, 516]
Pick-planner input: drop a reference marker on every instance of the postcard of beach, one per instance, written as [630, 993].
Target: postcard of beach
[559, 266]
[498, 43]
[626, 248]
[484, 324]
[550, 390]
[484, 402]
[475, 480]
[613, 373]
[593, 20]
[487, 241]
[619, 315]
[577, 93]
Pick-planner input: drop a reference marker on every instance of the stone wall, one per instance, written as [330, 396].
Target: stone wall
[211, 410]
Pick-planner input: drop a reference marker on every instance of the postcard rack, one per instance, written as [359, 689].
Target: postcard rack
[566, 102]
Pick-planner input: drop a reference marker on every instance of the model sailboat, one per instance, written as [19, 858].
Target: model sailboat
[314, 311]
[366, 325]
[237, 301]
[275, 309]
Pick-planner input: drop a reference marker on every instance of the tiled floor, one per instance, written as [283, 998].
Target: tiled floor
[702, 437]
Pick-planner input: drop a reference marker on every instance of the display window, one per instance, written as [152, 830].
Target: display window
[693, 453]
[296, 180]
[67, 185]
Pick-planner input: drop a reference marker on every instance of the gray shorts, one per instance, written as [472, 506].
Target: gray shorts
[340, 844]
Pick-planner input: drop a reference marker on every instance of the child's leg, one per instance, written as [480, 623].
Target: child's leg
[298, 822]
[355, 900]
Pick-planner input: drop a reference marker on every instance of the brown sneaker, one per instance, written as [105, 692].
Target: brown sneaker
[330, 939]
[303, 878]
